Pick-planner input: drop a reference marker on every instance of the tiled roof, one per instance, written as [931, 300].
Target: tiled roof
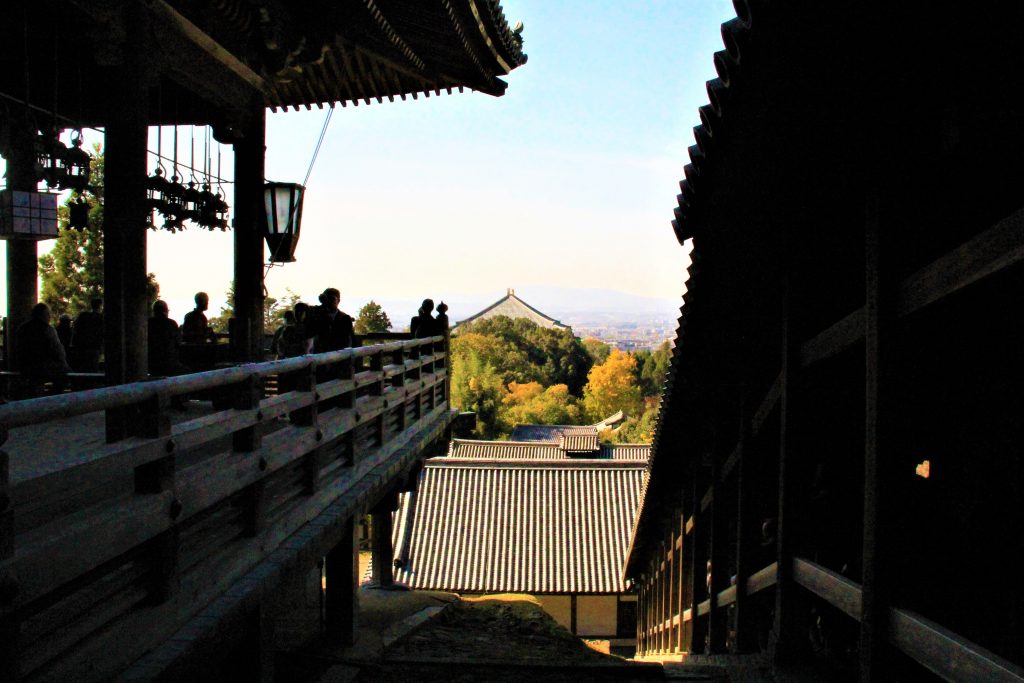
[577, 442]
[545, 433]
[514, 307]
[537, 526]
[518, 450]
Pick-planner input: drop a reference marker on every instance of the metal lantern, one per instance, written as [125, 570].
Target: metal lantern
[176, 212]
[211, 210]
[77, 164]
[156, 191]
[283, 212]
[51, 155]
[78, 214]
[193, 203]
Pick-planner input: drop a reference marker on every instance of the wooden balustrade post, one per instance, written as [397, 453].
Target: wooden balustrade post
[414, 354]
[152, 418]
[341, 599]
[305, 380]
[246, 395]
[153, 477]
[377, 389]
[398, 359]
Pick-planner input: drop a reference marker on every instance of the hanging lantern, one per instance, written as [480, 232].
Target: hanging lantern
[78, 214]
[156, 191]
[77, 164]
[193, 203]
[283, 212]
[176, 212]
[51, 155]
[220, 211]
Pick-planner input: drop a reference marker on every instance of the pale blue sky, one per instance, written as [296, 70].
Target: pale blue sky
[569, 180]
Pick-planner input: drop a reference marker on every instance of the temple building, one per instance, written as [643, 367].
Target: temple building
[512, 306]
[141, 542]
[836, 475]
[546, 518]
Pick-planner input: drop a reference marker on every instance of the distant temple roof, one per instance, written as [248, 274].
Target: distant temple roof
[513, 307]
[526, 517]
[556, 433]
[540, 450]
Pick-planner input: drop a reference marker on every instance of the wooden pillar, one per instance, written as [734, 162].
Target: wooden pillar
[22, 258]
[717, 619]
[341, 601]
[383, 552]
[880, 315]
[681, 596]
[124, 221]
[698, 582]
[640, 618]
[746, 640]
[249, 177]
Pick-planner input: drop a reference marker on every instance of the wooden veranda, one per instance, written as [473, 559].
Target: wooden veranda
[835, 479]
[141, 542]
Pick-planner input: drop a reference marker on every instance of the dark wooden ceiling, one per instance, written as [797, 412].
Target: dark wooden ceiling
[211, 59]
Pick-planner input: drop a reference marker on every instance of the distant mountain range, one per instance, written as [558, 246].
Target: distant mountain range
[562, 303]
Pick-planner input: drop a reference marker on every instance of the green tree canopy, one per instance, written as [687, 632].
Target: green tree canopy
[528, 352]
[477, 387]
[372, 318]
[652, 367]
[597, 350]
[531, 403]
[273, 311]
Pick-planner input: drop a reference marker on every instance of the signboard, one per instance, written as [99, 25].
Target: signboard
[28, 215]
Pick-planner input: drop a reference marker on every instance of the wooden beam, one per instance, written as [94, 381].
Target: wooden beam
[767, 405]
[200, 42]
[835, 589]
[990, 252]
[946, 654]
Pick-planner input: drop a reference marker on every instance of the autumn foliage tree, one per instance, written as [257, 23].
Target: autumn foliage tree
[611, 387]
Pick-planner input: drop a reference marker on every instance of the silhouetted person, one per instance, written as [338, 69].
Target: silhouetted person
[64, 332]
[38, 352]
[294, 340]
[195, 328]
[87, 338]
[424, 324]
[330, 328]
[164, 342]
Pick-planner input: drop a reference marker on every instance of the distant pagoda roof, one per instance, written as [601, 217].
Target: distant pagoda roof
[513, 307]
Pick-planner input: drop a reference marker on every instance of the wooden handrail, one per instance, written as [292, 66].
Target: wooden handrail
[143, 500]
[934, 647]
[39, 410]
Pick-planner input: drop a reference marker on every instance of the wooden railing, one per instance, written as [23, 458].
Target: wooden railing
[142, 532]
[939, 650]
